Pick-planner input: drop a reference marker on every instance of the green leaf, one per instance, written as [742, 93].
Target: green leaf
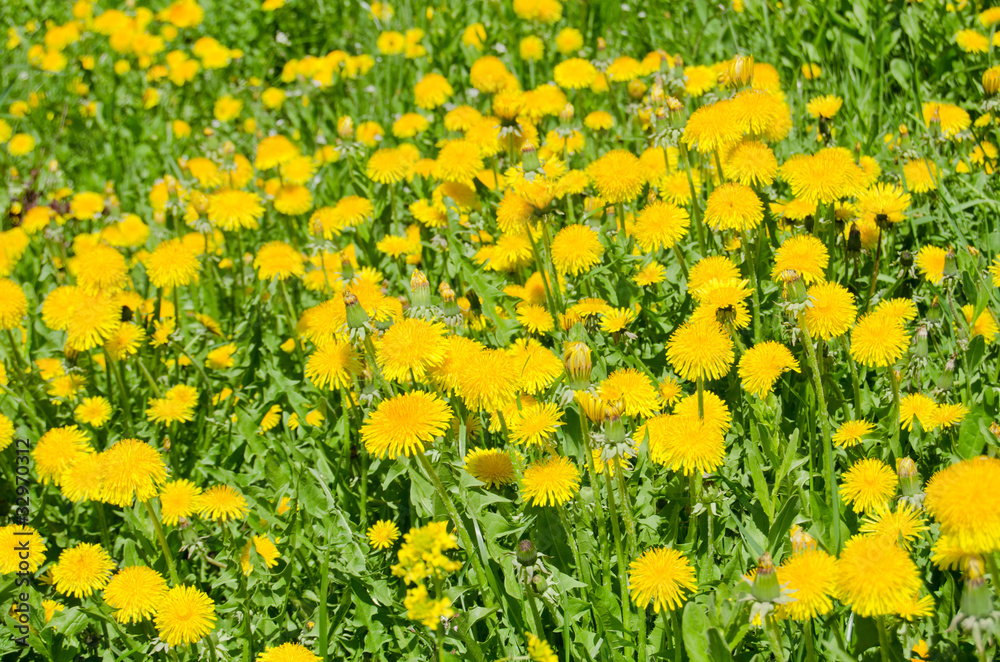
[718, 651]
[973, 434]
[694, 626]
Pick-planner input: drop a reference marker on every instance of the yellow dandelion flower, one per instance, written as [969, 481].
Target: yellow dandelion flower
[965, 499]
[220, 503]
[700, 349]
[763, 364]
[135, 593]
[875, 577]
[184, 615]
[405, 424]
[869, 483]
[552, 481]
[383, 534]
[81, 570]
[662, 576]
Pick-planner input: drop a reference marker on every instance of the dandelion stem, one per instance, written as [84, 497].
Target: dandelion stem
[894, 441]
[627, 511]
[602, 531]
[752, 268]
[991, 563]
[701, 397]
[324, 591]
[824, 421]
[485, 588]
[616, 530]
[855, 383]
[535, 617]
[810, 644]
[883, 639]
[163, 544]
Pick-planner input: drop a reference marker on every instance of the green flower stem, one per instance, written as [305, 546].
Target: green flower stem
[810, 644]
[752, 268]
[550, 299]
[619, 550]
[883, 639]
[855, 383]
[701, 396]
[529, 593]
[163, 544]
[681, 261]
[547, 242]
[292, 320]
[824, 421]
[627, 511]
[602, 530]
[894, 441]
[324, 621]
[26, 399]
[678, 634]
[484, 586]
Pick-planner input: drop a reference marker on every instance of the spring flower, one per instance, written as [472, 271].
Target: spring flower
[383, 534]
[875, 576]
[763, 364]
[490, 466]
[700, 349]
[178, 498]
[82, 570]
[868, 484]
[184, 615]
[851, 433]
[135, 593]
[662, 576]
[405, 424]
[552, 481]
[964, 499]
[220, 503]
[20, 544]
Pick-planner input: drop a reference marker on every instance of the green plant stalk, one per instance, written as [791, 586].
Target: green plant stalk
[602, 530]
[167, 555]
[484, 587]
[894, 441]
[855, 383]
[619, 549]
[991, 563]
[529, 594]
[825, 426]
[678, 635]
[324, 620]
[700, 383]
[752, 268]
[627, 511]
[883, 639]
[19, 369]
[810, 644]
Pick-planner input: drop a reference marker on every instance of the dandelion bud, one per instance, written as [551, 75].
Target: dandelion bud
[576, 360]
[674, 105]
[950, 264]
[903, 131]
[529, 157]
[977, 600]
[921, 342]
[346, 268]
[795, 287]
[801, 541]
[765, 586]
[854, 239]
[614, 429]
[356, 315]
[421, 289]
[527, 553]
[995, 429]
[601, 44]
[450, 305]
[740, 72]
[947, 378]
[882, 221]
[540, 584]
[345, 127]
[934, 312]
[906, 259]
[909, 478]
[991, 80]
[592, 406]
[567, 113]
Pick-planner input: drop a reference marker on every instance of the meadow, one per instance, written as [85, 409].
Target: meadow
[493, 331]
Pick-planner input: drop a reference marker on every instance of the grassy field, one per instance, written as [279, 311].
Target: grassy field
[501, 330]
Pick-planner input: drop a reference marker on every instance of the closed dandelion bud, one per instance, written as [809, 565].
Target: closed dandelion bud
[991, 81]
[421, 289]
[765, 586]
[920, 342]
[854, 239]
[977, 599]
[576, 361]
[601, 44]
[678, 61]
[909, 478]
[567, 113]
[540, 583]
[450, 306]
[346, 268]
[995, 429]
[740, 71]
[882, 221]
[801, 541]
[795, 287]
[529, 157]
[950, 264]
[345, 127]
[906, 259]
[947, 378]
[903, 131]
[674, 105]
[614, 429]
[934, 313]
[356, 315]
[592, 406]
[527, 553]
